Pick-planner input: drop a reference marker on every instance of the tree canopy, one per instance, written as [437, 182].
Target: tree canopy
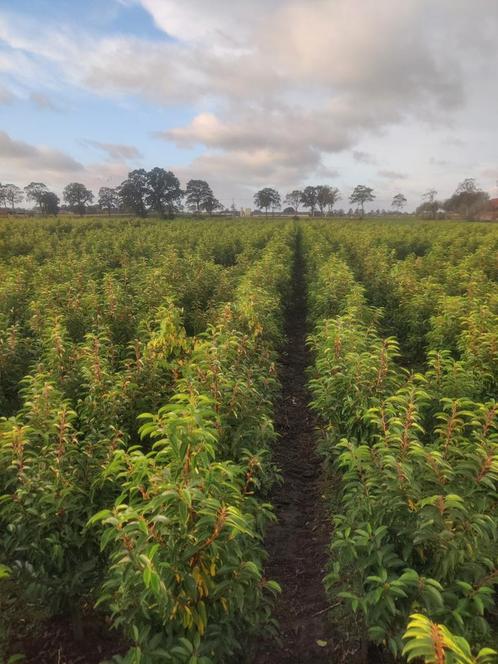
[77, 196]
[361, 195]
[294, 198]
[309, 198]
[468, 199]
[35, 192]
[267, 198]
[108, 199]
[200, 197]
[399, 201]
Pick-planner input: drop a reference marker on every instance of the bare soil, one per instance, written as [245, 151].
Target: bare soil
[56, 643]
[297, 543]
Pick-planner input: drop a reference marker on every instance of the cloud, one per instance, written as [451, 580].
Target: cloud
[42, 102]
[276, 86]
[116, 151]
[6, 96]
[32, 157]
[392, 175]
[22, 162]
[443, 163]
[363, 157]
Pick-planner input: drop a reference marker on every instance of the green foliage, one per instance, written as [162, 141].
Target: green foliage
[415, 525]
[435, 644]
[185, 535]
[109, 335]
[162, 526]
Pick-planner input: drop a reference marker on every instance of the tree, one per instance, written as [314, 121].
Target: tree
[322, 197]
[430, 195]
[49, 203]
[360, 196]
[333, 196]
[293, 199]
[108, 199]
[267, 198]
[399, 202]
[13, 195]
[326, 197]
[163, 193]
[35, 191]
[468, 186]
[133, 190]
[211, 203]
[430, 205]
[77, 196]
[195, 193]
[468, 199]
[200, 197]
[310, 198]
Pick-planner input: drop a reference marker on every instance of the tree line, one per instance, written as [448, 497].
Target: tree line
[157, 191]
[321, 198]
[469, 200]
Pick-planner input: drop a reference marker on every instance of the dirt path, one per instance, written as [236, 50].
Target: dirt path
[297, 543]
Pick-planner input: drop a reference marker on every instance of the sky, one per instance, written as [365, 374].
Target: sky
[398, 95]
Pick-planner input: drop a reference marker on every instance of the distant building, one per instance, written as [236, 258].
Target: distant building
[245, 212]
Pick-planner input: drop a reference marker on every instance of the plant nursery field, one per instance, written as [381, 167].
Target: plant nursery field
[255, 440]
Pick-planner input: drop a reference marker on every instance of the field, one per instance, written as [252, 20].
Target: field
[254, 440]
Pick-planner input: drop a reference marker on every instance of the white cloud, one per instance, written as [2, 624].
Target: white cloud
[116, 151]
[279, 85]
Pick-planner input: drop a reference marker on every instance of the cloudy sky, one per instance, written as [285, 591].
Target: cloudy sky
[400, 95]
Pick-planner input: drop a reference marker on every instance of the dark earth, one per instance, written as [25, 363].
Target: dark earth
[297, 544]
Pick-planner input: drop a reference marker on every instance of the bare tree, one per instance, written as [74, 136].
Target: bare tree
[399, 202]
[430, 195]
[468, 200]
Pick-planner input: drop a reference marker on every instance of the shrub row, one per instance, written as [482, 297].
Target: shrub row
[414, 519]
